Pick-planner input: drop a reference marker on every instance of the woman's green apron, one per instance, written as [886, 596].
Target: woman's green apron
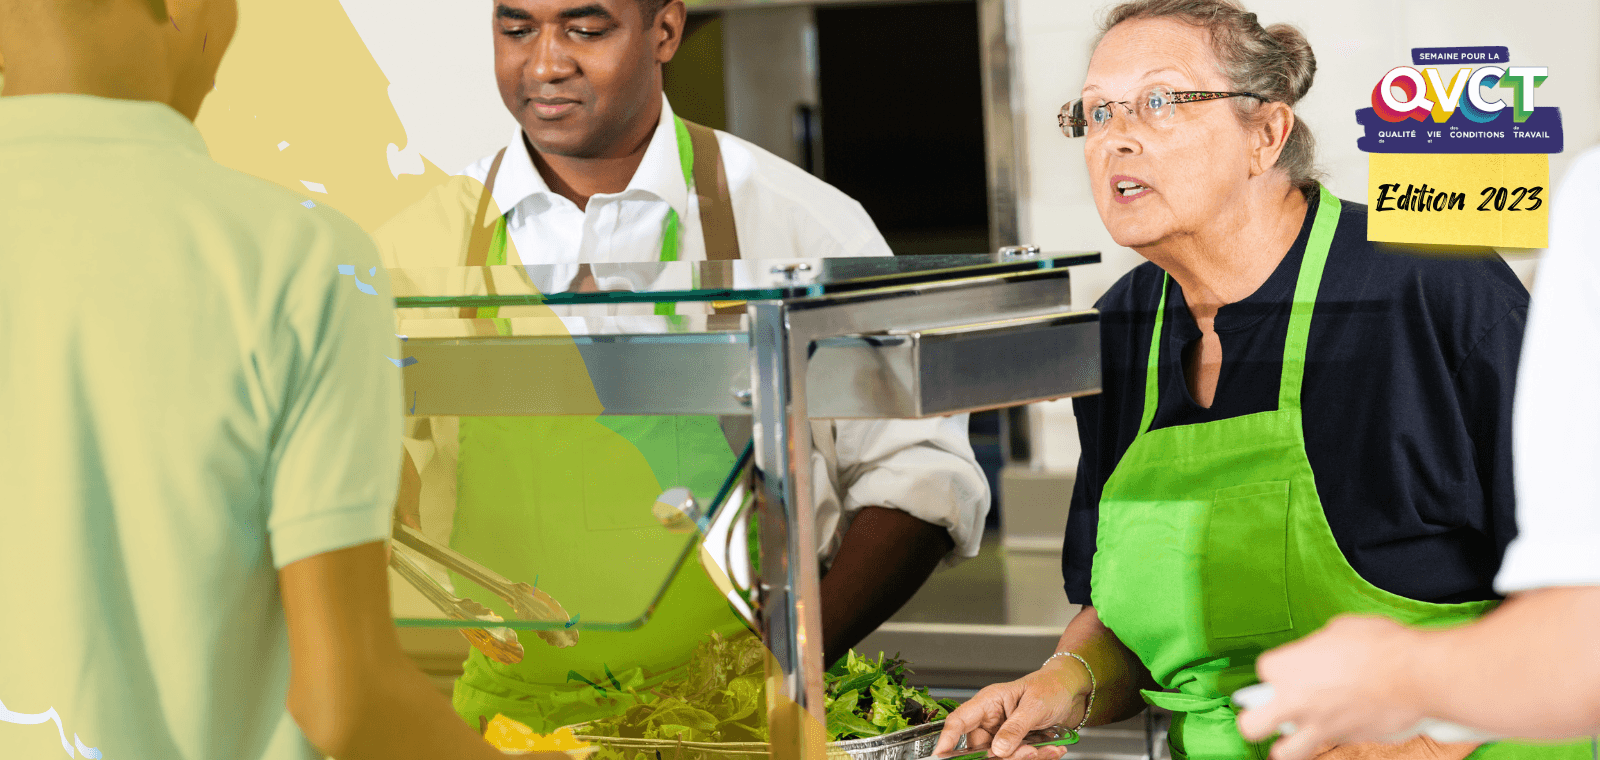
[564, 502]
[1213, 548]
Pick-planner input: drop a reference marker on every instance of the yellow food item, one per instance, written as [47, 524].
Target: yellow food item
[508, 735]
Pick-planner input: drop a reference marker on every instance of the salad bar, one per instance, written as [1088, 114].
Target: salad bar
[715, 711]
[885, 338]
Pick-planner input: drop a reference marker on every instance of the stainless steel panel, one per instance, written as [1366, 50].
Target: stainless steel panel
[639, 374]
[923, 373]
[965, 655]
[950, 370]
[950, 303]
[1003, 363]
[790, 586]
[1002, 145]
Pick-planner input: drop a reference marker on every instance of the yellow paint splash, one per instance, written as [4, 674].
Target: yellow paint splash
[298, 72]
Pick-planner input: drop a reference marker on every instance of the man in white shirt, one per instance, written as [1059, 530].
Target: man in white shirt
[600, 171]
[198, 470]
[1530, 669]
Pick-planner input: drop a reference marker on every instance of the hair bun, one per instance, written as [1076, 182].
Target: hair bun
[1275, 63]
[1300, 63]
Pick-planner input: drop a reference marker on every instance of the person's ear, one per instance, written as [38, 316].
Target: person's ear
[1273, 124]
[668, 27]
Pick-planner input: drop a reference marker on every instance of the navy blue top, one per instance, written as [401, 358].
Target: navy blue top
[1410, 369]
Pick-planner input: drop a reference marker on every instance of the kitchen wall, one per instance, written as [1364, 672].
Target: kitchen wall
[1356, 42]
[444, 111]
[439, 59]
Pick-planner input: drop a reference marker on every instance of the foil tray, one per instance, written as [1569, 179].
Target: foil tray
[912, 743]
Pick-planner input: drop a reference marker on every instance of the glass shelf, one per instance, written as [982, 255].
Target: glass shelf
[697, 281]
[680, 329]
[502, 378]
[654, 553]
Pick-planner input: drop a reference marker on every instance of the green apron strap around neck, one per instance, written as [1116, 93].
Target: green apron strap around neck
[1152, 384]
[1305, 299]
[685, 149]
[496, 257]
[1294, 345]
[672, 227]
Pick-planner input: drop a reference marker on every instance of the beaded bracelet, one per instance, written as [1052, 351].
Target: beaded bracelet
[1090, 707]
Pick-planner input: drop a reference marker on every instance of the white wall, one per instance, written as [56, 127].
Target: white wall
[439, 59]
[1356, 41]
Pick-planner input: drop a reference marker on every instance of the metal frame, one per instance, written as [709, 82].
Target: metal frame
[940, 313]
[783, 336]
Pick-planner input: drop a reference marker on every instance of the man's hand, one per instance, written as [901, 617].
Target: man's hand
[1346, 683]
[1001, 715]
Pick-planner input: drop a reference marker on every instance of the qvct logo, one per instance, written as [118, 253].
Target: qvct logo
[1486, 106]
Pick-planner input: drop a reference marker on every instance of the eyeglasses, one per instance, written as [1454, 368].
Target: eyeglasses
[1156, 105]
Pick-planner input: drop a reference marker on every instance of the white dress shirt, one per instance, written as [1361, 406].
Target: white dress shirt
[925, 468]
[1556, 427]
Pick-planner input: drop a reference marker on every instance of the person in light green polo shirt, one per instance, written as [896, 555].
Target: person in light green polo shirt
[199, 457]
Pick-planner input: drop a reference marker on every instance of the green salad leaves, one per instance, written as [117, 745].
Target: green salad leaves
[867, 697]
[721, 698]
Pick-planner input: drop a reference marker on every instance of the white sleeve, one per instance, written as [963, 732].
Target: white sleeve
[924, 468]
[1557, 414]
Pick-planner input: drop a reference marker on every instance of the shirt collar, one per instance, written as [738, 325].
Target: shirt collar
[659, 176]
[60, 117]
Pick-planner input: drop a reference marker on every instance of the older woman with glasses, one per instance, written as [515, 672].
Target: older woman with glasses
[1294, 423]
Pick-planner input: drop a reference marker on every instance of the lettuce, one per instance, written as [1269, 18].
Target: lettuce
[721, 698]
[867, 697]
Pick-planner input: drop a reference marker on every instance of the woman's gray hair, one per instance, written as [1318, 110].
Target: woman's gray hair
[1275, 62]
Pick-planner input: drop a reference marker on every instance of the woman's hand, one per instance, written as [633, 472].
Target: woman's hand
[1000, 716]
[1346, 683]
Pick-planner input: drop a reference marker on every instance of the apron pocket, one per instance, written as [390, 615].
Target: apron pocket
[1243, 562]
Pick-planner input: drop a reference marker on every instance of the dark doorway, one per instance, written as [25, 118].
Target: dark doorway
[901, 97]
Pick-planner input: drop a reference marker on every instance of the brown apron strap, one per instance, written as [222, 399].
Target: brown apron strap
[722, 245]
[716, 203]
[482, 233]
[716, 212]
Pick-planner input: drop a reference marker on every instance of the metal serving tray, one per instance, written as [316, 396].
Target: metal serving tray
[909, 744]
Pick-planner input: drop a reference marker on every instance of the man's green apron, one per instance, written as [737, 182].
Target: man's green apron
[1213, 548]
[564, 502]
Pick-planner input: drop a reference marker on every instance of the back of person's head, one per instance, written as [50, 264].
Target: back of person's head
[162, 50]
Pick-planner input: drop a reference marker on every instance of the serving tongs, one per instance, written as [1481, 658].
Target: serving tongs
[527, 602]
[1054, 736]
[499, 644]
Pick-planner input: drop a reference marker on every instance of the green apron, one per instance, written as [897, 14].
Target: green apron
[564, 502]
[1213, 547]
